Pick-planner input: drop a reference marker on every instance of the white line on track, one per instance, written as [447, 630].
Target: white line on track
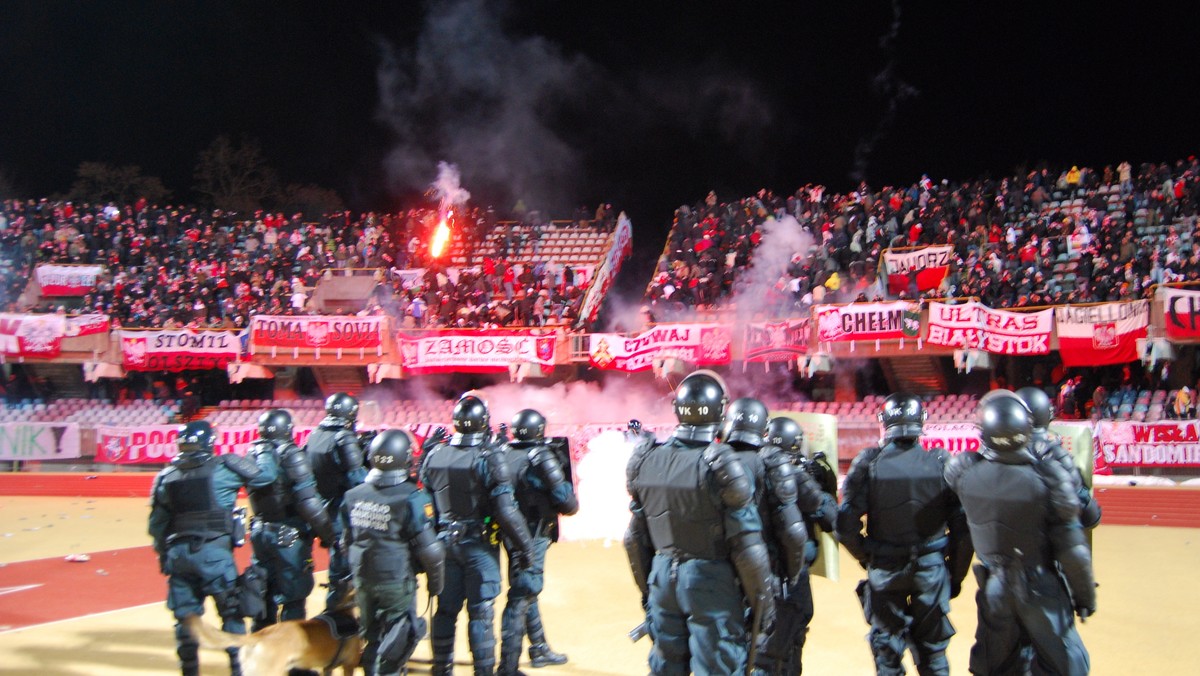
[78, 617]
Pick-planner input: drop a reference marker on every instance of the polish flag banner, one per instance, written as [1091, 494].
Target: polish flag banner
[68, 280]
[931, 264]
[41, 335]
[1106, 333]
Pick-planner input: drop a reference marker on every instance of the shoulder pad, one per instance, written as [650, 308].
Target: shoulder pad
[958, 466]
[717, 454]
[1063, 499]
[866, 456]
[241, 466]
[498, 469]
[636, 458]
[773, 456]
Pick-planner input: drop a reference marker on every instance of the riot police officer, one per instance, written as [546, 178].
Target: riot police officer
[390, 538]
[1047, 446]
[194, 528]
[775, 491]
[287, 514]
[695, 541]
[816, 498]
[543, 492]
[916, 550]
[1023, 539]
[337, 464]
[472, 493]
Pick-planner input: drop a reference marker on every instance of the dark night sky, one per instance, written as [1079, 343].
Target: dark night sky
[647, 105]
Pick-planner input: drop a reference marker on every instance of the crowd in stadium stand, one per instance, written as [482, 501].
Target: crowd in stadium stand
[176, 267]
[1045, 238]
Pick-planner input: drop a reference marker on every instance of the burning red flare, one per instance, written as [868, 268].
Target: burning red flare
[441, 237]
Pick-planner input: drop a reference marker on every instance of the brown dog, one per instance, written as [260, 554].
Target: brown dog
[294, 644]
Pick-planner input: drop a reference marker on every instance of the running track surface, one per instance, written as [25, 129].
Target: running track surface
[50, 590]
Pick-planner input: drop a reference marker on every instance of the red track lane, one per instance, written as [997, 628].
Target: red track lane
[50, 590]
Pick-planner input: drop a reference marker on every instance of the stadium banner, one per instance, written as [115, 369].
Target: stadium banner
[39, 441]
[867, 321]
[931, 264]
[695, 344]
[607, 270]
[30, 335]
[315, 332]
[1158, 444]
[1181, 312]
[475, 351]
[776, 341]
[976, 326]
[155, 444]
[178, 350]
[1106, 333]
[68, 280]
[952, 437]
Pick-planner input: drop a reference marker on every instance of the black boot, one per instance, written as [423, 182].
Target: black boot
[188, 651]
[540, 655]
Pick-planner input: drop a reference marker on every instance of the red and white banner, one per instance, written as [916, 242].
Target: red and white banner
[696, 344]
[178, 350]
[475, 351]
[28, 335]
[1094, 335]
[867, 321]
[156, 444]
[953, 437]
[68, 280]
[39, 441]
[607, 271]
[931, 264]
[1160, 444]
[976, 326]
[776, 341]
[1181, 312]
[315, 332]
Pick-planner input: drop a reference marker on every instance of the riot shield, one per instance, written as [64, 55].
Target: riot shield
[1077, 439]
[820, 436]
[562, 450]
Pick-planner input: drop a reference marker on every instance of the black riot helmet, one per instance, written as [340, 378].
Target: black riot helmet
[1005, 424]
[745, 421]
[1038, 403]
[390, 451]
[700, 399]
[470, 414]
[196, 438]
[528, 425]
[275, 424]
[786, 434]
[902, 417]
[343, 406]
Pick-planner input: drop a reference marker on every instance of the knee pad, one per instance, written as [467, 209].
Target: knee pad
[187, 648]
[396, 644]
[481, 612]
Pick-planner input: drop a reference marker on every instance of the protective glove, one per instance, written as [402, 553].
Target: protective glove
[1085, 613]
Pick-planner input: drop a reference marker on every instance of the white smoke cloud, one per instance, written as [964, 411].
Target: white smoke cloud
[448, 187]
[581, 403]
[501, 106]
[753, 289]
[471, 93]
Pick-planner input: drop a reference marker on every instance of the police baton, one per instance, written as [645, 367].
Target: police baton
[639, 631]
[756, 627]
